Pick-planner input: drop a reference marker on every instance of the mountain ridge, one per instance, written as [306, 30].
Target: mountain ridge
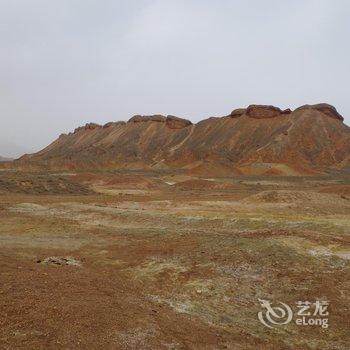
[259, 139]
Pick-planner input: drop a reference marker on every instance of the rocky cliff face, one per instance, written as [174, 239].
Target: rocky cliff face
[254, 140]
[324, 108]
[263, 112]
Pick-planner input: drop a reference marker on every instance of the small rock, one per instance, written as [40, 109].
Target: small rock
[67, 260]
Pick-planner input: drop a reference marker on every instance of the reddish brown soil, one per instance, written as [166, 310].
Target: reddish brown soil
[200, 184]
[174, 269]
[338, 189]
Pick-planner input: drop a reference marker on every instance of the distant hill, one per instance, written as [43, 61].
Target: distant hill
[257, 140]
[4, 159]
[11, 149]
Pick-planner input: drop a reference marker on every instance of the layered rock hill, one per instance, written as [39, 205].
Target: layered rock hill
[256, 140]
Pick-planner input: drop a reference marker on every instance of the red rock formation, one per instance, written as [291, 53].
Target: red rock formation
[264, 139]
[238, 112]
[147, 118]
[88, 126]
[324, 108]
[177, 123]
[108, 125]
[263, 111]
[287, 111]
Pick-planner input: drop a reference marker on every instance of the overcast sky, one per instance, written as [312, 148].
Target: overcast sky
[67, 62]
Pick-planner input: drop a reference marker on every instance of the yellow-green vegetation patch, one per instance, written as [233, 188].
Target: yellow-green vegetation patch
[309, 247]
[156, 266]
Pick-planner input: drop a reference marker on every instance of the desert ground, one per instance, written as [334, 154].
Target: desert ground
[137, 260]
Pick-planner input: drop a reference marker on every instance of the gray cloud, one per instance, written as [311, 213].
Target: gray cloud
[67, 62]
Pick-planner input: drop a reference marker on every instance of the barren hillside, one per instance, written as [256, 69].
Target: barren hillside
[255, 140]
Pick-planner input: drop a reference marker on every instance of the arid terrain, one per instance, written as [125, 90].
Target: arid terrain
[257, 140]
[163, 260]
[158, 233]
[174, 175]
